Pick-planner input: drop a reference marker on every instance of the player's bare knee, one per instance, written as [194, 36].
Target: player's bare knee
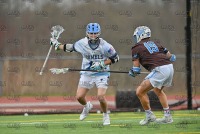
[101, 98]
[78, 97]
[140, 92]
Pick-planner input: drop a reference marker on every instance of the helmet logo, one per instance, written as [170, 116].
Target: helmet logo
[140, 33]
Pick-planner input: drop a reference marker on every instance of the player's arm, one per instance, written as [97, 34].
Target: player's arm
[107, 62]
[171, 57]
[59, 46]
[112, 59]
[112, 55]
[136, 63]
[135, 70]
[100, 65]
[67, 47]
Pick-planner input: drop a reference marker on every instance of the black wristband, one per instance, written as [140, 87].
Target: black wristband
[64, 47]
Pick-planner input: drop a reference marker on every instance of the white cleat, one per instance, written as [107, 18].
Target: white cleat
[106, 119]
[164, 120]
[86, 110]
[148, 119]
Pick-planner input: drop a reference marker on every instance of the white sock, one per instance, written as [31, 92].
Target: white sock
[148, 112]
[85, 104]
[166, 111]
[105, 114]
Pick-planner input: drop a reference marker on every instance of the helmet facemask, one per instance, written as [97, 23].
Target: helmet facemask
[93, 37]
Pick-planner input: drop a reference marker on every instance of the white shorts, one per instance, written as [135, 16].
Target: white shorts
[91, 81]
[161, 76]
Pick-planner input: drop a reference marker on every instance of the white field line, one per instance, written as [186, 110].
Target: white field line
[35, 104]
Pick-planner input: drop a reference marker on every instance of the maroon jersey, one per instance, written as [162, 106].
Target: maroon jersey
[150, 54]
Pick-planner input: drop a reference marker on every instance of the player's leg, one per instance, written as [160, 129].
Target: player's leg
[141, 92]
[102, 100]
[104, 107]
[164, 78]
[161, 96]
[102, 85]
[85, 83]
[163, 100]
[81, 94]
[87, 106]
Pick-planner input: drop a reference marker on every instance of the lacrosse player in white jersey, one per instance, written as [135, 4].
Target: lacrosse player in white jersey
[97, 55]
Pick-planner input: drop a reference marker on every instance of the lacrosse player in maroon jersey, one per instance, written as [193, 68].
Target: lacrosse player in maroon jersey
[158, 60]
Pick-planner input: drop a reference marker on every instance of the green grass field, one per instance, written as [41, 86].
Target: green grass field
[185, 122]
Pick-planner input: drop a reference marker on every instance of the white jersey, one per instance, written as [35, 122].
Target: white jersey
[102, 52]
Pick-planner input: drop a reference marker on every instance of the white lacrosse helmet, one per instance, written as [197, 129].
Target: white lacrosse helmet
[140, 33]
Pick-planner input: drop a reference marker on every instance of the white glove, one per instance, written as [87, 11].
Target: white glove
[59, 71]
[55, 43]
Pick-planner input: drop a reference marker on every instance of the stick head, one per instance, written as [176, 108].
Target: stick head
[40, 73]
[57, 30]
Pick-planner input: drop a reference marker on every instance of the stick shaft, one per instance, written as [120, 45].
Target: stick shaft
[45, 62]
[70, 69]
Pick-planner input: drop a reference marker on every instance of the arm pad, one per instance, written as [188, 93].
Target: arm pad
[68, 48]
[114, 58]
[165, 50]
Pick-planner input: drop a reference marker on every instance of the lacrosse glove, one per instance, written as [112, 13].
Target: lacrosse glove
[55, 43]
[173, 58]
[134, 71]
[99, 66]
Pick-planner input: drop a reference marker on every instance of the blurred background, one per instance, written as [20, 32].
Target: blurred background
[25, 27]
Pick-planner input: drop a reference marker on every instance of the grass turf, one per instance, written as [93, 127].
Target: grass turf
[185, 122]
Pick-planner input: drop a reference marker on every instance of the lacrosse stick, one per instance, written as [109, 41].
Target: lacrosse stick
[57, 30]
[65, 70]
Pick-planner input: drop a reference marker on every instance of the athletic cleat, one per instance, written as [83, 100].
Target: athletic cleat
[148, 119]
[106, 119]
[86, 110]
[164, 120]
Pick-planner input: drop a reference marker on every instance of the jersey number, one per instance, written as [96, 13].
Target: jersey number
[151, 47]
